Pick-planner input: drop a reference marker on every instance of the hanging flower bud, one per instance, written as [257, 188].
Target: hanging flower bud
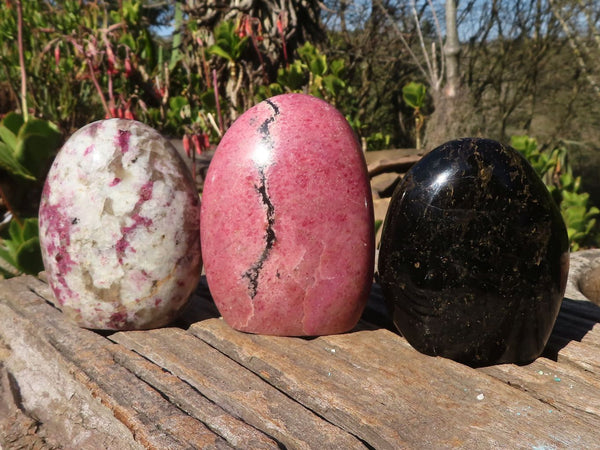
[241, 29]
[112, 70]
[128, 67]
[186, 145]
[120, 113]
[197, 145]
[206, 140]
[129, 115]
[248, 27]
[57, 55]
[113, 111]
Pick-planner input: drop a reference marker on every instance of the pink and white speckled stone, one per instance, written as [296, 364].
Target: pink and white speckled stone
[287, 221]
[119, 227]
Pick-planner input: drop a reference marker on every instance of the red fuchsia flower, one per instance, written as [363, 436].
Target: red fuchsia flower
[128, 67]
[186, 145]
[57, 54]
[112, 69]
[242, 27]
[248, 27]
[206, 140]
[196, 142]
[282, 23]
[129, 114]
[113, 112]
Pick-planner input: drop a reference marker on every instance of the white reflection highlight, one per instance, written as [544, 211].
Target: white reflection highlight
[262, 155]
[441, 179]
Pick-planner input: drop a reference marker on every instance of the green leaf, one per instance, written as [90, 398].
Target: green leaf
[207, 98]
[15, 232]
[7, 256]
[43, 128]
[228, 44]
[9, 163]
[9, 128]
[318, 65]
[337, 67]
[414, 94]
[523, 144]
[176, 54]
[217, 50]
[293, 77]
[29, 256]
[128, 40]
[177, 103]
[8, 137]
[333, 84]
[13, 121]
[30, 228]
[146, 43]
[22, 249]
[38, 141]
[307, 52]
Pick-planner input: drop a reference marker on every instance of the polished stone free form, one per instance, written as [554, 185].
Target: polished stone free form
[119, 227]
[287, 221]
[474, 255]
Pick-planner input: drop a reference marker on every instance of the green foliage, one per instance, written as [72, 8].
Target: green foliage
[553, 168]
[413, 94]
[379, 141]
[311, 73]
[21, 248]
[27, 147]
[228, 43]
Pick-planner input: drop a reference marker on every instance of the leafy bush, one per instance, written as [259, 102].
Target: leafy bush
[554, 169]
[20, 248]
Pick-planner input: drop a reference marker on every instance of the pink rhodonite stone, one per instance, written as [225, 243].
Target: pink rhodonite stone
[287, 221]
[119, 227]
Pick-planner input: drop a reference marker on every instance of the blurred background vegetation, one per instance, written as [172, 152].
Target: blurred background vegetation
[406, 74]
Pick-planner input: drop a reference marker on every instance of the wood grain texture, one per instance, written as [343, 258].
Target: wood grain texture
[373, 383]
[184, 396]
[82, 358]
[237, 390]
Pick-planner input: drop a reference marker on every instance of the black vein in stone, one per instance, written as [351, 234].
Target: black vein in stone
[253, 272]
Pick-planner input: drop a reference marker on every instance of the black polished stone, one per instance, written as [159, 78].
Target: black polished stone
[474, 255]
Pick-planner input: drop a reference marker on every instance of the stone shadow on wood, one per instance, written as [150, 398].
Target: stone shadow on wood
[199, 307]
[202, 307]
[576, 319]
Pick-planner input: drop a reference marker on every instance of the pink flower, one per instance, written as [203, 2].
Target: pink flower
[197, 144]
[186, 144]
[57, 54]
[128, 67]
